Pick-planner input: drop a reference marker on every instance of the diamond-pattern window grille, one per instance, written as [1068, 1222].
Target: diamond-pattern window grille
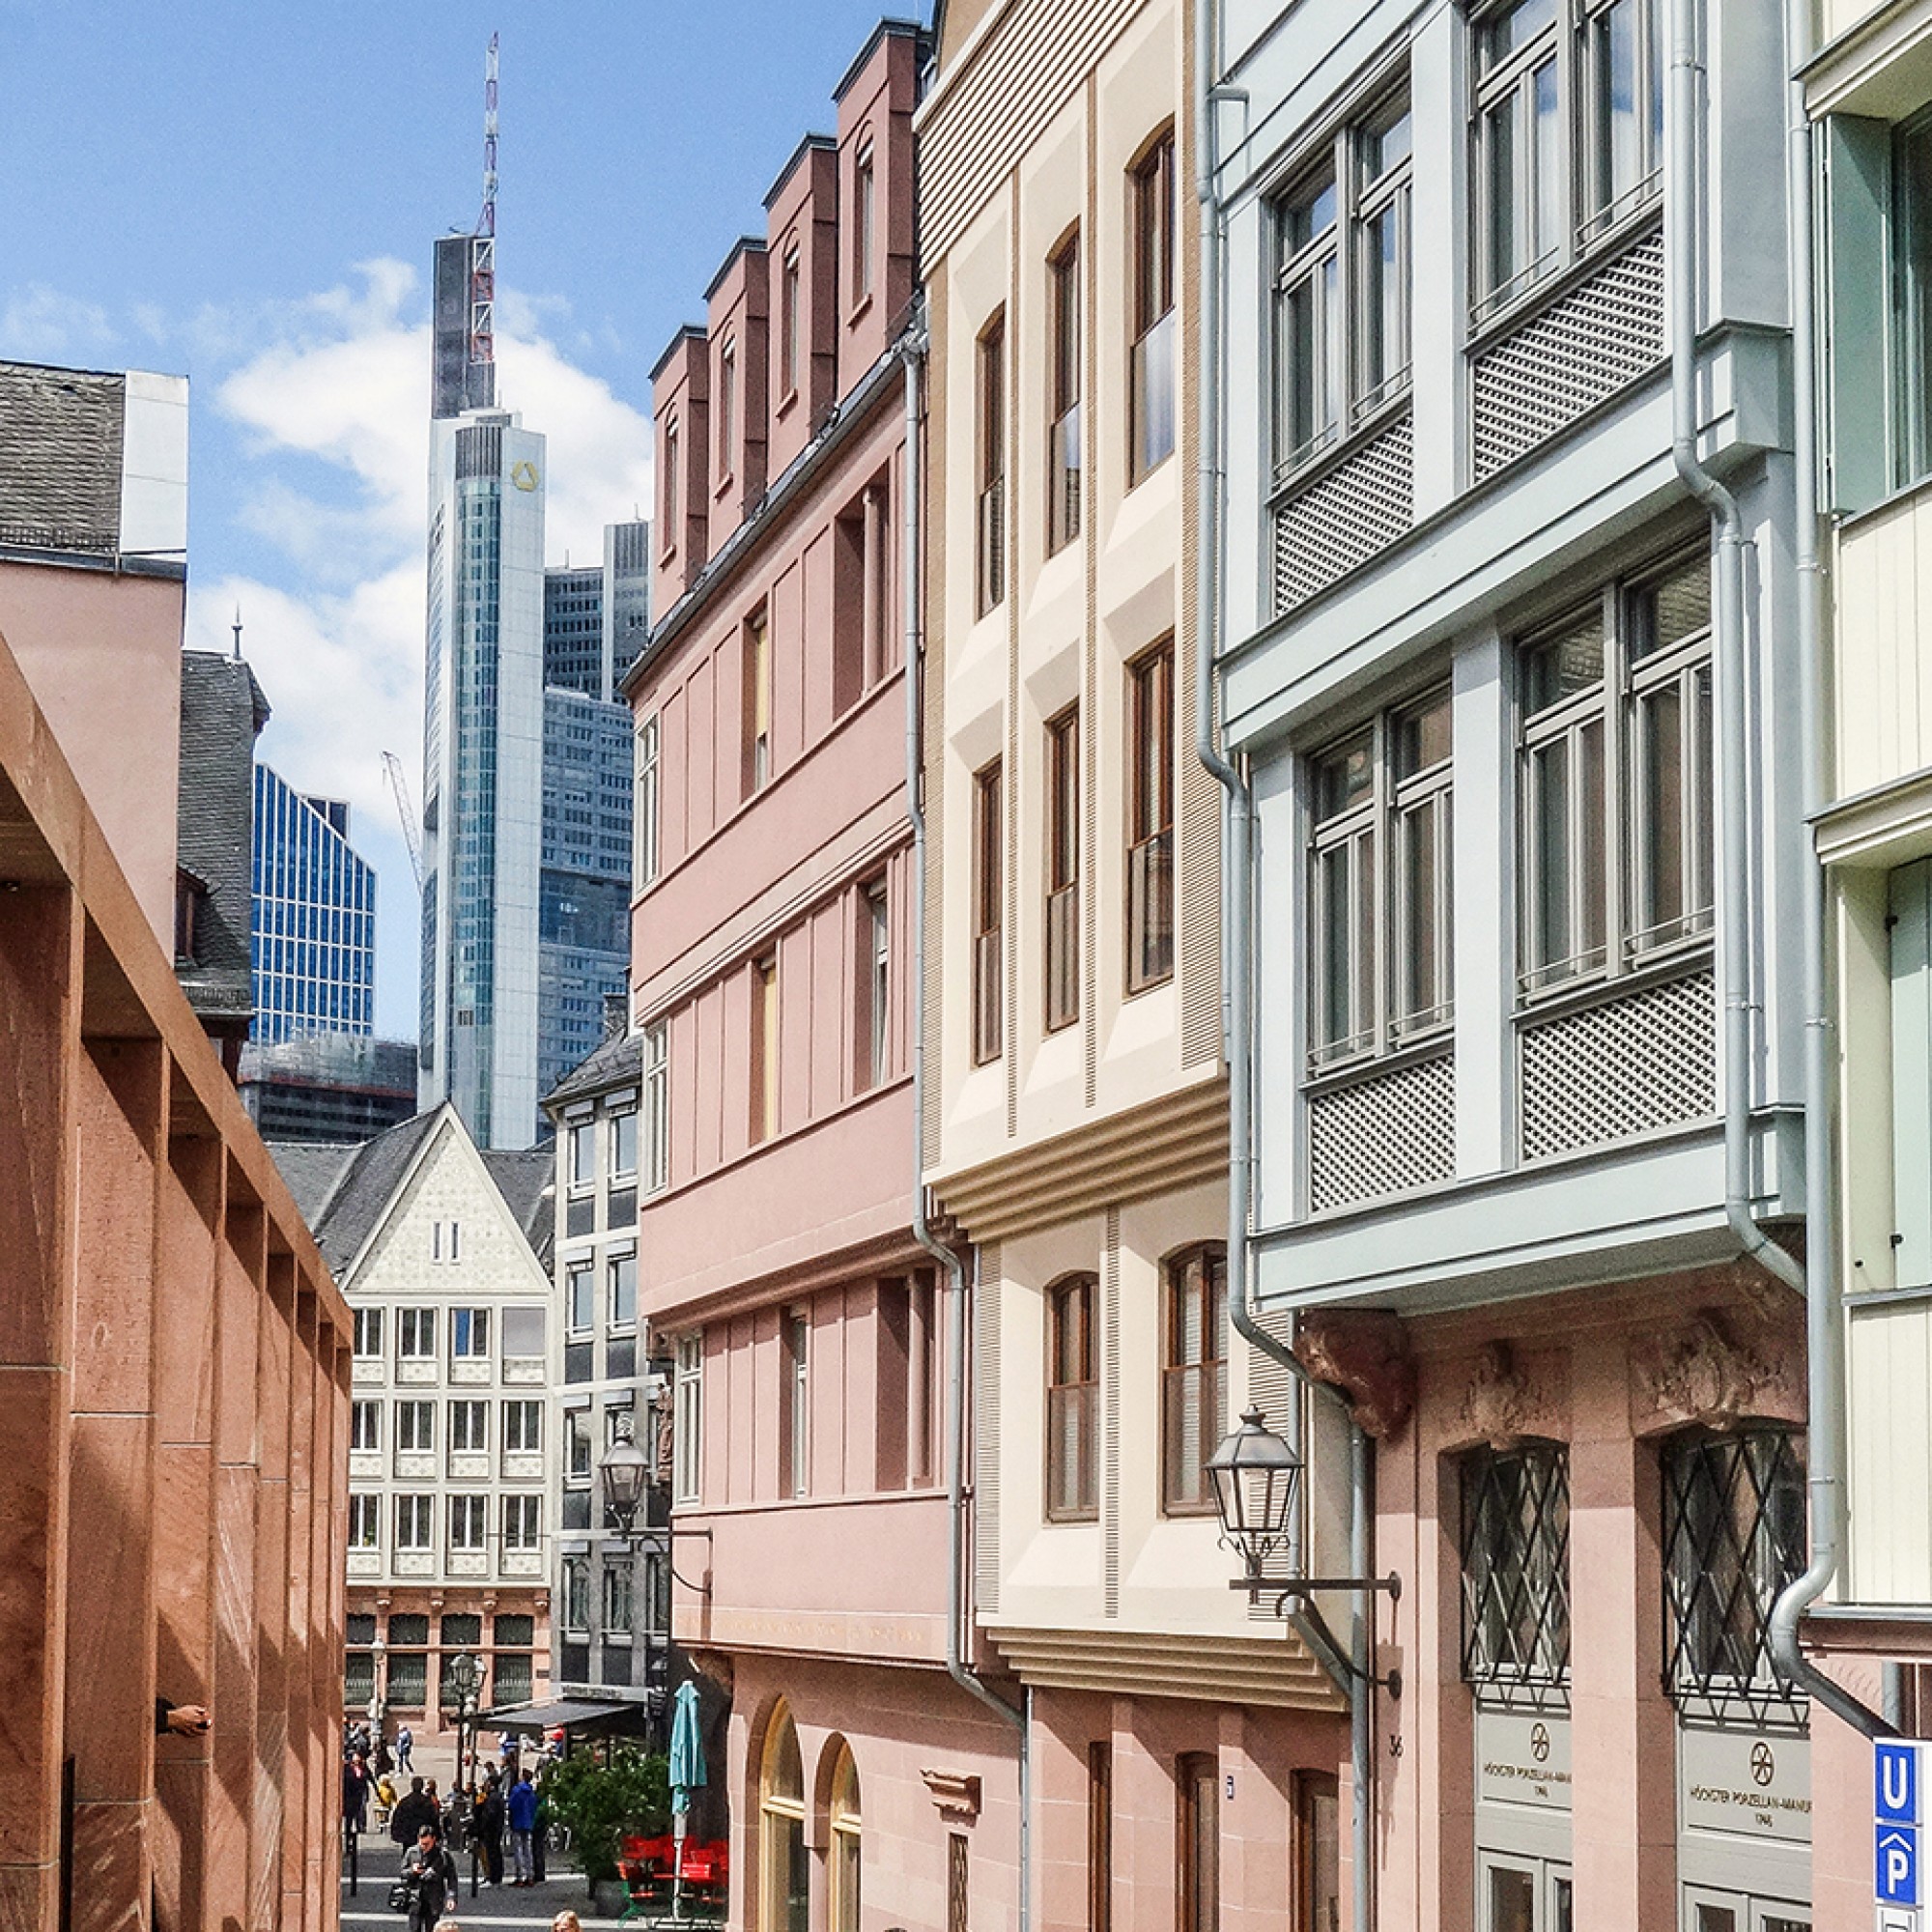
[1516, 1573]
[1621, 1067]
[1734, 1537]
[1344, 517]
[1564, 361]
[1382, 1134]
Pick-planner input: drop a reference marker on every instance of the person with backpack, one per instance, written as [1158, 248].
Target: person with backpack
[429, 1878]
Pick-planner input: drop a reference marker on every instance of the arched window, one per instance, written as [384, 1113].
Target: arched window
[1073, 1404]
[845, 1873]
[783, 1870]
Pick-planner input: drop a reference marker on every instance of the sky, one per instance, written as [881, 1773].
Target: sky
[247, 195]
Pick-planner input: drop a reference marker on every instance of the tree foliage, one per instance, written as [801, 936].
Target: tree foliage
[605, 1802]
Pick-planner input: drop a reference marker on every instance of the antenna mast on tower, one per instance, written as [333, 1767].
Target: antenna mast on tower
[483, 243]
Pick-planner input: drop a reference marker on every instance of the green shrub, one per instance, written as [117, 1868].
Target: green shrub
[604, 1804]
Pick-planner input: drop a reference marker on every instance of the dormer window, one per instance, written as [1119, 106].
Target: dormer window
[864, 214]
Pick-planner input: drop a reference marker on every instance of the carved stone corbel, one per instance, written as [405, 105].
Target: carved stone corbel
[1364, 1352]
[1705, 1372]
[1501, 1402]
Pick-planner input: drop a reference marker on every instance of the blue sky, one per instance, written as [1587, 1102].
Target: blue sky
[247, 194]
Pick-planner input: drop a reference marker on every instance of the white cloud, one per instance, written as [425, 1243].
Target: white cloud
[40, 325]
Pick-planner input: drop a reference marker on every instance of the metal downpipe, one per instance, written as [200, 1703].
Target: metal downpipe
[1824, 1304]
[1238, 999]
[913, 353]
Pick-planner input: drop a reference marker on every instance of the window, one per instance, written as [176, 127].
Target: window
[515, 1630]
[1315, 1797]
[409, 1678]
[446, 1241]
[1063, 403]
[416, 1425]
[365, 1520]
[785, 1867]
[468, 1334]
[1194, 1378]
[580, 1297]
[469, 1424]
[1151, 819]
[764, 1048]
[1072, 1400]
[864, 214]
[467, 1529]
[874, 983]
[624, 1145]
[1062, 869]
[618, 1598]
[522, 1523]
[523, 1426]
[622, 1291]
[645, 805]
[414, 1525]
[576, 1593]
[671, 485]
[789, 321]
[687, 1418]
[758, 703]
[1733, 1539]
[583, 1140]
[415, 1334]
[365, 1425]
[522, 1334]
[577, 1444]
[990, 415]
[369, 1333]
[988, 913]
[843, 1864]
[1342, 288]
[1615, 828]
[656, 1106]
[1568, 134]
[1378, 884]
[1515, 1573]
[727, 408]
[795, 1401]
[1151, 360]
[1199, 1779]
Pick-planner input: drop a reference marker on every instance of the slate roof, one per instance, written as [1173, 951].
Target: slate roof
[610, 1062]
[61, 433]
[344, 1191]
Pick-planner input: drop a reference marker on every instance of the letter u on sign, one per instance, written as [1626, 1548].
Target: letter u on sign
[1895, 1783]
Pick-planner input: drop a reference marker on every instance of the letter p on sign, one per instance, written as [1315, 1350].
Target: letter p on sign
[1895, 1865]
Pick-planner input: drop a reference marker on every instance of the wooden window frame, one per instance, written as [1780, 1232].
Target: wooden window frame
[1072, 1405]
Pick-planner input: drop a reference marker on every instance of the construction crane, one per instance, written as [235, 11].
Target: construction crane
[392, 766]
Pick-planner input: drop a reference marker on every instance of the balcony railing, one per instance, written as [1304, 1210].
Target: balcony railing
[1063, 957]
[1072, 1474]
[1154, 396]
[1062, 480]
[990, 545]
[1150, 911]
[987, 1011]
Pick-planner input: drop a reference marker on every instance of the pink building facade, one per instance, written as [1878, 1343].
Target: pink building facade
[772, 945]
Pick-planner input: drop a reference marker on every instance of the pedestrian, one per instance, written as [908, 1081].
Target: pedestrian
[567, 1920]
[412, 1813]
[405, 1743]
[383, 1762]
[522, 1812]
[489, 1819]
[429, 1875]
[356, 1782]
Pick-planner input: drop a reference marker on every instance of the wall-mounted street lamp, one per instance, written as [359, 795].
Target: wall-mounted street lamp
[626, 1476]
[1257, 1480]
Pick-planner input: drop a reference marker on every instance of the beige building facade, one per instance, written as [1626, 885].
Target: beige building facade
[1076, 1121]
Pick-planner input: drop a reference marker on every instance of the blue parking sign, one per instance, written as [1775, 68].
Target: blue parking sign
[1895, 1783]
[1895, 1865]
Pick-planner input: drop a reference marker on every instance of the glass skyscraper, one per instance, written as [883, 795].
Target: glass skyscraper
[312, 929]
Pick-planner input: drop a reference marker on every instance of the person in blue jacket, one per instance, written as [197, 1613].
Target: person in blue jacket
[523, 1809]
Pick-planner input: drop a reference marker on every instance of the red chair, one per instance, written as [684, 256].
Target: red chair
[644, 1865]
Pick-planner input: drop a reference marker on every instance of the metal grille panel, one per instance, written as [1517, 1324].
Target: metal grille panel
[1734, 1538]
[1344, 517]
[1571, 358]
[1381, 1135]
[1625, 1067]
[1516, 1572]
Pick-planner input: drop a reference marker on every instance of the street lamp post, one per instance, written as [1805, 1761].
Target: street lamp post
[1257, 1480]
[377, 1703]
[463, 1673]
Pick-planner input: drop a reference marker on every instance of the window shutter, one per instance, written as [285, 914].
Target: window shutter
[1858, 373]
[1911, 1073]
